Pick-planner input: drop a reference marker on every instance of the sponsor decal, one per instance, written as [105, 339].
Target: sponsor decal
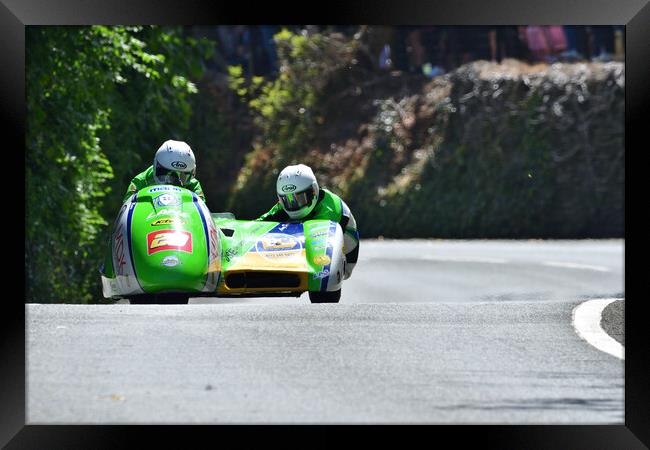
[317, 242]
[164, 212]
[320, 227]
[170, 261]
[320, 233]
[169, 240]
[321, 274]
[319, 247]
[294, 229]
[166, 200]
[179, 165]
[254, 228]
[118, 250]
[164, 189]
[288, 188]
[214, 242]
[321, 260]
[231, 253]
[167, 221]
[280, 255]
[273, 242]
[120, 214]
[276, 246]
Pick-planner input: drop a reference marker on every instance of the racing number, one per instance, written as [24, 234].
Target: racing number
[169, 240]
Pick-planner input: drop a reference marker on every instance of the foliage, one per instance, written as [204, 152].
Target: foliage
[489, 150]
[145, 111]
[221, 132]
[522, 153]
[288, 108]
[98, 99]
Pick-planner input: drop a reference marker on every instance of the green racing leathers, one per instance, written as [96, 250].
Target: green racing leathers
[329, 207]
[145, 178]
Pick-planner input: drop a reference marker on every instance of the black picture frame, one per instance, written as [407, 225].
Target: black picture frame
[634, 14]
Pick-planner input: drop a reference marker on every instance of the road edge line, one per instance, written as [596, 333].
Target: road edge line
[579, 266]
[586, 318]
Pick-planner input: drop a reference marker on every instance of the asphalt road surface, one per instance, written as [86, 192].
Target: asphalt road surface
[426, 332]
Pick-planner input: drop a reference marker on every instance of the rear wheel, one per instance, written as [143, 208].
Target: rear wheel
[325, 297]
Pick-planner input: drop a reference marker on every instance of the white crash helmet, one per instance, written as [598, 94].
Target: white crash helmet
[297, 190]
[174, 163]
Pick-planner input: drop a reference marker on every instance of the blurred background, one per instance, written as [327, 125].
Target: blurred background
[463, 132]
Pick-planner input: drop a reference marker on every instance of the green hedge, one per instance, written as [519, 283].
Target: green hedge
[487, 151]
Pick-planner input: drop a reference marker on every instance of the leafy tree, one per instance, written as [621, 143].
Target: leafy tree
[96, 96]
[287, 109]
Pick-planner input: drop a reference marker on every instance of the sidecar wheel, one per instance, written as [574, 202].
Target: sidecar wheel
[325, 297]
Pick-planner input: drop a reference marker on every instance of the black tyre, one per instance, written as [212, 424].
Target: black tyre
[159, 299]
[325, 297]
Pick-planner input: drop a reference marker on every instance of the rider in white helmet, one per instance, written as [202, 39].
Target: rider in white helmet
[300, 198]
[174, 163]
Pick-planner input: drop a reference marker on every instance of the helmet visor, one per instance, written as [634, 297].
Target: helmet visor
[170, 176]
[295, 201]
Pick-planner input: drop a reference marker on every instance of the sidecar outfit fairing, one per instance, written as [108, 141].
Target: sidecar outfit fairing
[166, 244]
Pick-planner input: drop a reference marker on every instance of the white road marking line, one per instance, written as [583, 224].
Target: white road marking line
[570, 265]
[457, 259]
[464, 259]
[586, 319]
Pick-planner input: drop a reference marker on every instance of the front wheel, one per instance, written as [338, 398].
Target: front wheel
[325, 297]
[159, 299]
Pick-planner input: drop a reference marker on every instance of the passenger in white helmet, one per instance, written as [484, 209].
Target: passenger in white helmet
[173, 163]
[300, 198]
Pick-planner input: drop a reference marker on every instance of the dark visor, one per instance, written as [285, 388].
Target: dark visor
[175, 177]
[295, 201]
